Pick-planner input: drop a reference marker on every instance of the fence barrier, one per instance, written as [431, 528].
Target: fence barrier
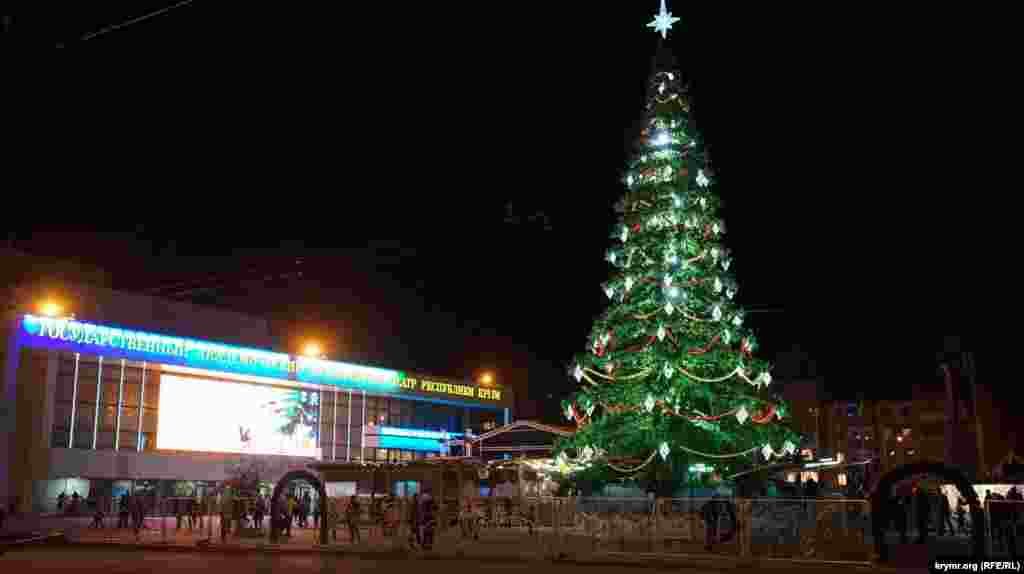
[810, 529]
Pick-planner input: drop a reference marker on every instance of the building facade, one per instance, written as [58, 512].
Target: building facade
[947, 419]
[134, 393]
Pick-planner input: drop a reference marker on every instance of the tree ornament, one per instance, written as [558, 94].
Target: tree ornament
[669, 308]
[674, 293]
[716, 313]
[715, 253]
[726, 263]
[703, 203]
[609, 291]
[663, 21]
[590, 410]
[625, 233]
[726, 336]
[702, 180]
[578, 373]
[745, 346]
[737, 320]
[788, 447]
[730, 292]
[664, 450]
[588, 453]
[765, 379]
[742, 415]
[668, 370]
[649, 403]
[629, 283]
[612, 257]
[629, 180]
[570, 413]
[661, 332]
[767, 451]
[718, 285]
[716, 229]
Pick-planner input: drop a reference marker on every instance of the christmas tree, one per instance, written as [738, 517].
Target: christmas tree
[670, 368]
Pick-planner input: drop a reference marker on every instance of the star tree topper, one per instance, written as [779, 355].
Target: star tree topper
[663, 21]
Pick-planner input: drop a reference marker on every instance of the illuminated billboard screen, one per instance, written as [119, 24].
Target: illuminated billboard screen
[214, 416]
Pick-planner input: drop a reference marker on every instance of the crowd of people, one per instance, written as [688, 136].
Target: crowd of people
[1003, 518]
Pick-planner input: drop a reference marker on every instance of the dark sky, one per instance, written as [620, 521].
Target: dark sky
[487, 140]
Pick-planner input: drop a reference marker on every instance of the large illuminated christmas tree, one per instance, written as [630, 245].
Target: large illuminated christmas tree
[670, 368]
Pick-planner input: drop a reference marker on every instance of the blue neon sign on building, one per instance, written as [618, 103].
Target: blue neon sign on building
[82, 337]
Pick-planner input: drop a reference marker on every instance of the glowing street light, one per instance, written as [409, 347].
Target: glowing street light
[487, 378]
[313, 350]
[51, 308]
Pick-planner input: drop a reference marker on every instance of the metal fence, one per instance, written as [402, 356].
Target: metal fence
[821, 529]
[831, 529]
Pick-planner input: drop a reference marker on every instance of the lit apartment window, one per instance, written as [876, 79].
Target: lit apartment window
[808, 475]
[892, 452]
[791, 477]
[911, 452]
[841, 479]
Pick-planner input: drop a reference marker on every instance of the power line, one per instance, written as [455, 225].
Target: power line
[136, 20]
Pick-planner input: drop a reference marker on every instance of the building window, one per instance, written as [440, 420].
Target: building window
[911, 452]
[791, 477]
[808, 475]
[841, 479]
[60, 434]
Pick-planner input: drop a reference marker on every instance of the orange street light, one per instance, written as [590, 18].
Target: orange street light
[313, 350]
[487, 378]
[51, 308]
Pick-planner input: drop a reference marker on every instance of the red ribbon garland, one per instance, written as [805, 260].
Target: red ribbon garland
[704, 349]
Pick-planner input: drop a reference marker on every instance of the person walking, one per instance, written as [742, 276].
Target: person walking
[292, 509]
[414, 522]
[945, 517]
[123, 511]
[226, 512]
[923, 514]
[259, 509]
[315, 510]
[429, 520]
[60, 501]
[352, 515]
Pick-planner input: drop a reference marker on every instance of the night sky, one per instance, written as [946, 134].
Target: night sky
[488, 142]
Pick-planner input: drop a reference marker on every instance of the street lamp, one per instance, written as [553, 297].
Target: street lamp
[313, 349]
[486, 379]
[50, 308]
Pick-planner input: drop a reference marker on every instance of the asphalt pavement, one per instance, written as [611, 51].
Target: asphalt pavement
[102, 561]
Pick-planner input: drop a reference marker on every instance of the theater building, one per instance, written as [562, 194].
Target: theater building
[135, 393]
